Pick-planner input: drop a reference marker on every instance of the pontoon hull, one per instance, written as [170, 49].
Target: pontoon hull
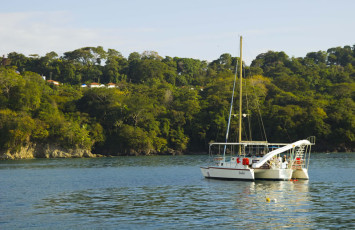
[301, 174]
[273, 174]
[227, 173]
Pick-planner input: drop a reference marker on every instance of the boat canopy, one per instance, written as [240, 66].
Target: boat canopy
[280, 150]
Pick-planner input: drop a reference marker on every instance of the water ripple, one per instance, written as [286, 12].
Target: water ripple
[163, 192]
[192, 206]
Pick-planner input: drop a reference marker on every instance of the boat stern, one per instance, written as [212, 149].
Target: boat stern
[217, 172]
[301, 174]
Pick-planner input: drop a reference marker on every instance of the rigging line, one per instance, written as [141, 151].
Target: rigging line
[231, 107]
[247, 114]
[287, 132]
[245, 132]
[260, 128]
[251, 53]
[263, 137]
[260, 117]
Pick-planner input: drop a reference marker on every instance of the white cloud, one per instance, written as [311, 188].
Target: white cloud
[43, 32]
[28, 32]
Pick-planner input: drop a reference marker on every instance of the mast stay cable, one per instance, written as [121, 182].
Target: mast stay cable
[231, 108]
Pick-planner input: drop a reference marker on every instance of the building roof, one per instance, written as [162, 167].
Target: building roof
[53, 82]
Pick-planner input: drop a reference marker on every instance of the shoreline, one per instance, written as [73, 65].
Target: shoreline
[88, 154]
[43, 151]
[48, 151]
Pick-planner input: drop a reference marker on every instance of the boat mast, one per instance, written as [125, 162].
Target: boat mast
[240, 95]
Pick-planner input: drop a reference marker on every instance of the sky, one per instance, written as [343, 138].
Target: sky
[201, 29]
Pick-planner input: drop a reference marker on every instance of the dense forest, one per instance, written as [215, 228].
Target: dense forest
[168, 105]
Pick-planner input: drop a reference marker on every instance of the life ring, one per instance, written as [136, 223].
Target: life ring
[238, 160]
[299, 161]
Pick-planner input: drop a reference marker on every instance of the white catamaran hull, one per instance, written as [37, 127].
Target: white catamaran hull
[300, 174]
[273, 174]
[249, 160]
[227, 173]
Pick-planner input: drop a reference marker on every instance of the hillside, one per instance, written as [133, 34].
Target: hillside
[157, 105]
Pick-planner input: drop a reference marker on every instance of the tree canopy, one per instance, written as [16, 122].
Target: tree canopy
[168, 104]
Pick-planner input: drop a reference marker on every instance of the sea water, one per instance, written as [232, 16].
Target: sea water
[160, 192]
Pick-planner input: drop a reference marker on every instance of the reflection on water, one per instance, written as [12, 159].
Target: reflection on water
[105, 162]
[170, 192]
[218, 204]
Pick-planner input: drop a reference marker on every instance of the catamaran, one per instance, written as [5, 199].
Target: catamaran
[251, 160]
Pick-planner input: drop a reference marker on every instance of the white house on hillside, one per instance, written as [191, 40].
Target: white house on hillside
[96, 85]
[111, 85]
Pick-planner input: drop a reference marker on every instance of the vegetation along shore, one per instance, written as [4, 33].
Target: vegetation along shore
[91, 101]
